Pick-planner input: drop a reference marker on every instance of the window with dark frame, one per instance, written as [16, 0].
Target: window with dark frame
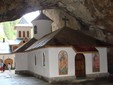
[19, 34]
[35, 61]
[27, 33]
[43, 59]
[35, 29]
[23, 33]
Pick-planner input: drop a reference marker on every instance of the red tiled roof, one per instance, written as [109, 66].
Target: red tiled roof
[84, 48]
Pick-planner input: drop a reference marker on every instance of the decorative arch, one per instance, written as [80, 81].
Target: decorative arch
[63, 62]
[80, 65]
[8, 60]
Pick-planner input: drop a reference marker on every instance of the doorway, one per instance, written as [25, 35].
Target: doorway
[80, 65]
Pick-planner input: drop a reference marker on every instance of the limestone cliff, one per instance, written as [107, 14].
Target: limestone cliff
[98, 12]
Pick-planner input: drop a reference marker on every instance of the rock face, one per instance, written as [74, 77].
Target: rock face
[57, 16]
[90, 12]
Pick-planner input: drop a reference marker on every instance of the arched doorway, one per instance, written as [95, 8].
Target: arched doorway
[80, 65]
[8, 60]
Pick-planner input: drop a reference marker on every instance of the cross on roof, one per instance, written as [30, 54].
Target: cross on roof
[65, 21]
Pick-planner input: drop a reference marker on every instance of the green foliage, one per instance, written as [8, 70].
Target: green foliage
[9, 29]
[2, 36]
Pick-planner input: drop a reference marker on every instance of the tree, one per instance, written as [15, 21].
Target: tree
[9, 29]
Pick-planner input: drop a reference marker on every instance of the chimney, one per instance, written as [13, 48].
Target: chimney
[3, 40]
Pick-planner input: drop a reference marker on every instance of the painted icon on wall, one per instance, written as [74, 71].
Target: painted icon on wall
[63, 62]
[96, 62]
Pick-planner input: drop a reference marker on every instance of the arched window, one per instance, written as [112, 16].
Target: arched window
[35, 29]
[19, 34]
[23, 33]
[27, 33]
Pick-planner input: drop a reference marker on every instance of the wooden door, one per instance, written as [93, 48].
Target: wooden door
[80, 65]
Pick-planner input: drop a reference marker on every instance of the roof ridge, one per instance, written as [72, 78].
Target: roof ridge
[42, 16]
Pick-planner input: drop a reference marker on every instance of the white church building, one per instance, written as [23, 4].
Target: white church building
[63, 55]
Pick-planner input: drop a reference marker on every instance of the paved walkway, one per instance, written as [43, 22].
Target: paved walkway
[10, 78]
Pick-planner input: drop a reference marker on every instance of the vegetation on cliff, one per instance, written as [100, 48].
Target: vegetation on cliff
[7, 30]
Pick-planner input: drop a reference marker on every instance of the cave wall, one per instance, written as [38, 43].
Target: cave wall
[98, 13]
[57, 16]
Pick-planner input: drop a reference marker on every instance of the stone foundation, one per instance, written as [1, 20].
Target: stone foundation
[24, 72]
[99, 75]
[70, 79]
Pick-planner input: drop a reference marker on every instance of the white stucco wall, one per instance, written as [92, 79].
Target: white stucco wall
[25, 29]
[88, 63]
[21, 61]
[51, 68]
[39, 68]
[53, 61]
[43, 27]
[103, 61]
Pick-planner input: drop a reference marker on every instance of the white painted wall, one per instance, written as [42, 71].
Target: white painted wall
[88, 63]
[24, 28]
[39, 68]
[103, 61]
[51, 68]
[53, 61]
[21, 61]
[43, 27]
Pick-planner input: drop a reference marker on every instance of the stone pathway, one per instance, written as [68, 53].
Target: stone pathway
[10, 78]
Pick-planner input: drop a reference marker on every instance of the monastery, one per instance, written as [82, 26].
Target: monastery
[63, 55]
[24, 33]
